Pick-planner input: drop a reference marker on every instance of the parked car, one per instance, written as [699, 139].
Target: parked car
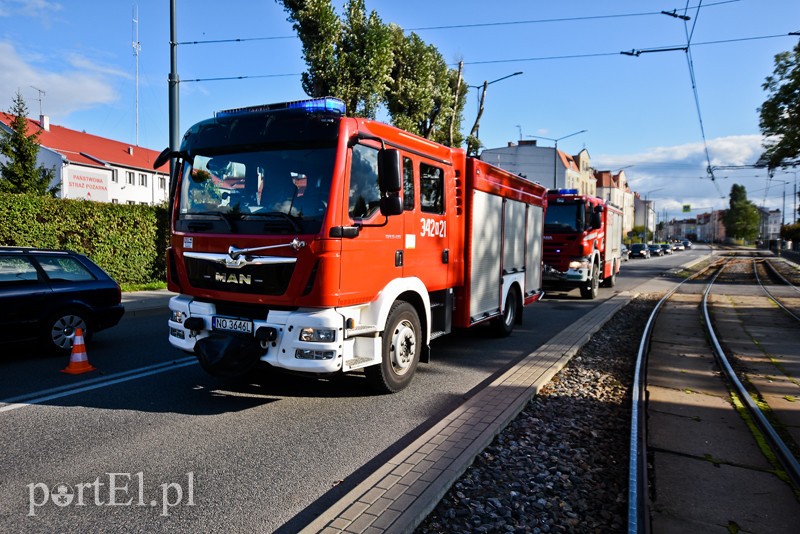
[687, 244]
[45, 295]
[625, 252]
[640, 250]
[677, 245]
[666, 247]
[655, 249]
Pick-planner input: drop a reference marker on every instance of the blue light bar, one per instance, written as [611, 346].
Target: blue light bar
[567, 191]
[324, 104]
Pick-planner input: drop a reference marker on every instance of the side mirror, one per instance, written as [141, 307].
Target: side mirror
[596, 219]
[390, 179]
[391, 205]
[390, 182]
[166, 155]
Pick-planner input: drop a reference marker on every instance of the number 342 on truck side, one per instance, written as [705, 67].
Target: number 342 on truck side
[323, 244]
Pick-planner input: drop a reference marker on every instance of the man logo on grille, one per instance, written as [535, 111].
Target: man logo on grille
[231, 278]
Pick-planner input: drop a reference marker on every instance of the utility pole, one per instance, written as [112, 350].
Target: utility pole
[476, 127]
[174, 125]
[136, 47]
[555, 153]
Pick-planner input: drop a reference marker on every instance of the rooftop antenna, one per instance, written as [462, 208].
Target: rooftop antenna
[41, 94]
[136, 47]
[519, 127]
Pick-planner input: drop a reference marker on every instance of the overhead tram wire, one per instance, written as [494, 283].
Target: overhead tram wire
[633, 52]
[696, 94]
[560, 19]
[222, 78]
[460, 26]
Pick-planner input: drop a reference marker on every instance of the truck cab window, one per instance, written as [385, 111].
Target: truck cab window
[408, 184]
[431, 183]
[364, 192]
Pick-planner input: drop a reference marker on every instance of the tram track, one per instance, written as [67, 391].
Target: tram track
[677, 407]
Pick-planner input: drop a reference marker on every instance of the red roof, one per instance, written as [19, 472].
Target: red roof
[87, 149]
[568, 161]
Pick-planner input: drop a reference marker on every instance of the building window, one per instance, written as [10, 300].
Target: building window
[114, 201]
[114, 177]
[130, 177]
[162, 182]
[131, 202]
[143, 179]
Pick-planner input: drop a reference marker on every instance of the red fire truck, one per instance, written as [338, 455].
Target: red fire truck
[323, 244]
[582, 242]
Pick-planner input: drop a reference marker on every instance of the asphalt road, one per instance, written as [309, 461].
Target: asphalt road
[149, 442]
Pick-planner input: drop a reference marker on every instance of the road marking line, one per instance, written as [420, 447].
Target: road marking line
[96, 383]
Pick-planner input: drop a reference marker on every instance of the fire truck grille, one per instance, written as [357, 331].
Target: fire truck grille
[551, 254]
[256, 279]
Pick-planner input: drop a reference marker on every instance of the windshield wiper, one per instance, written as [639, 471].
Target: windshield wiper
[227, 217]
[291, 219]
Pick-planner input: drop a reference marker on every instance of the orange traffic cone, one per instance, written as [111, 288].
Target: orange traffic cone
[78, 360]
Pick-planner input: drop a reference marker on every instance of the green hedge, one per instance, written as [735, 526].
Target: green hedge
[129, 242]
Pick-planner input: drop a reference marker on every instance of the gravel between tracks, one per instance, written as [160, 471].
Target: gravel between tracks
[562, 464]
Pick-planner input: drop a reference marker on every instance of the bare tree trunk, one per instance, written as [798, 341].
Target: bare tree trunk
[456, 101]
[474, 131]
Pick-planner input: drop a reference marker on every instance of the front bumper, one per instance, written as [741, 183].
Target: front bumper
[576, 276]
[285, 351]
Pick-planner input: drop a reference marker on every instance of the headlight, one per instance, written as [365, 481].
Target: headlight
[578, 265]
[177, 317]
[319, 335]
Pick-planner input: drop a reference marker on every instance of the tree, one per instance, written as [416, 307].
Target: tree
[780, 113]
[350, 58]
[424, 95]
[367, 64]
[741, 220]
[19, 172]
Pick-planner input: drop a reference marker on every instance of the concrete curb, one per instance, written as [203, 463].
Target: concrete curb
[399, 495]
[139, 302]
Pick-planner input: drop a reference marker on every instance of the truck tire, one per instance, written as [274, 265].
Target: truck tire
[401, 346]
[503, 326]
[590, 290]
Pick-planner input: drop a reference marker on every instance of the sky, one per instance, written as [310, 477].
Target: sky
[661, 116]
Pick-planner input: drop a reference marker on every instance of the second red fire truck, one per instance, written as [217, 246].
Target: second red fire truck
[323, 244]
[582, 242]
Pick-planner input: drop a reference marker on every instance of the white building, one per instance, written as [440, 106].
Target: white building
[550, 167]
[95, 168]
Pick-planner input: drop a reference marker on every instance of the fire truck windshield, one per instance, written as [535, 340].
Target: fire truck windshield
[565, 217]
[257, 192]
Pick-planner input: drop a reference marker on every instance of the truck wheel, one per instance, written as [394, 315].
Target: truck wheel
[611, 281]
[402, 343]
[503, 326]
[590, 290]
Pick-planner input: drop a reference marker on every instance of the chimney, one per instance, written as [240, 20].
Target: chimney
[44, 122]
[130, 150]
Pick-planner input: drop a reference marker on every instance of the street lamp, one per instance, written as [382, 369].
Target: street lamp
[486, 84]
[555, 152]
[647, 213]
